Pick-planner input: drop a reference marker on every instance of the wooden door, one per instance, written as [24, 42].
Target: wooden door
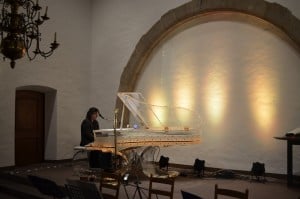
[29, 127]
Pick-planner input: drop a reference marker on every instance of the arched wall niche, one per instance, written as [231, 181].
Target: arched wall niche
[175, 19]
[50, 118]
[38, 88]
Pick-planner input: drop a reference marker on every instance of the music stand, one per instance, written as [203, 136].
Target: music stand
[138, 189]
[115, 137]
[135, 162]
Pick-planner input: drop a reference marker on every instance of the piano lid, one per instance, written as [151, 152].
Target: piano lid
[159, 117]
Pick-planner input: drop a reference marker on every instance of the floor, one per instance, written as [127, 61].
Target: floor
[204, 187]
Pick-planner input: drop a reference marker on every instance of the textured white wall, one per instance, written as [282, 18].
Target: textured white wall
[97, 39]
[67, 71]
[114, 42]
[239, 76]
[116, 28]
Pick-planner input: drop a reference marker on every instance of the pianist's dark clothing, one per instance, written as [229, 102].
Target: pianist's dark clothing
[87, 128]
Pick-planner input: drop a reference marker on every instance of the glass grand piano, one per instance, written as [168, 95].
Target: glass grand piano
[154, 125]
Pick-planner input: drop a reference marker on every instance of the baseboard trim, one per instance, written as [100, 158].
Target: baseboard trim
[180, 166]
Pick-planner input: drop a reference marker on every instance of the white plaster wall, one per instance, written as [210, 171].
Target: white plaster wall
[117, 25]
[83, 70]
[242, 80]
[113, 43]
[67, 71]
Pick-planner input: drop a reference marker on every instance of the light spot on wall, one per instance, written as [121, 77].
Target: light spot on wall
[241, 79]
[263, 92]
[184, 93]
[215, 91]
[158, 111]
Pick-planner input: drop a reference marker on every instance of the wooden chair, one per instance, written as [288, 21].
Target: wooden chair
[111, 182]
[231, 193]
[162, 192]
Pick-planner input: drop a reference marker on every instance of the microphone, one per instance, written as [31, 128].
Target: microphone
[104, 118]
[101, 116]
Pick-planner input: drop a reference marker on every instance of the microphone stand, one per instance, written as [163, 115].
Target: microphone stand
[115, 137]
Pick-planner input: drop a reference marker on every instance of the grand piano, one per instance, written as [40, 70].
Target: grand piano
[149, 128]
[151, 125]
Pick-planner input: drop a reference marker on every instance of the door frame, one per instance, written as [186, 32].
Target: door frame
[39, 138]
[50, 119]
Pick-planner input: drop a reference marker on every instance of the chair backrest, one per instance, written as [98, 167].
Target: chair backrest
[162, 192]
[74, 191]
[231, 193]
[187, 195]
[110, 181]
[46, 186]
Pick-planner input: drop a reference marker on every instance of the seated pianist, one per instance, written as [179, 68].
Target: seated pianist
[96, 158]
[89, 124]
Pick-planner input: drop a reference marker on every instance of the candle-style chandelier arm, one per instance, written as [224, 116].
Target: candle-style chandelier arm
[19, 28]
[32, 35]
[29, 9]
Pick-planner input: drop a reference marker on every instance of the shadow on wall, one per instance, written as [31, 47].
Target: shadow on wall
[50, 118]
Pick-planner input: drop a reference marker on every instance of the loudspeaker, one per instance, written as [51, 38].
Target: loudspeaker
[258, 170]
[163, 162]
[199, 166]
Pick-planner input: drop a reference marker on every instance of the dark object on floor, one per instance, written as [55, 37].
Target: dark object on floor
[90, 190]
[258, 170]
[87, 190]
[199, 166]
[187, 195]
[226, 174]
[74, 192]
[163, 162]
[47, 187]
[98, 159]
[231, 193]
[183, 174]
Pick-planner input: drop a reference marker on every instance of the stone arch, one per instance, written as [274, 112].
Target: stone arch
[273, 13]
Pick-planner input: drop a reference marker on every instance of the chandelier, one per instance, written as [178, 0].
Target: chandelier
[20, 22]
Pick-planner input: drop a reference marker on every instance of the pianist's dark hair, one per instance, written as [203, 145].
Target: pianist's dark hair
[92, 111]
